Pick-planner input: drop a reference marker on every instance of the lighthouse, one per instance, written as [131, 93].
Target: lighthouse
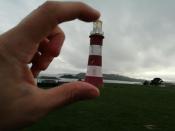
[94, 73]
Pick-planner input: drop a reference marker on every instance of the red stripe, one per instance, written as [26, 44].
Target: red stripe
[96, 40]
[96, 81]
[95, 60]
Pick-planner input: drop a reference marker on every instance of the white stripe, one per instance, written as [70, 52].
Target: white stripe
[94, 71]
[95, 50]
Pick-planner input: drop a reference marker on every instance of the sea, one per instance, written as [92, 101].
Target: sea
[105, 81]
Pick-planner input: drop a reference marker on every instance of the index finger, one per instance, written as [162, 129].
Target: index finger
[44, 19]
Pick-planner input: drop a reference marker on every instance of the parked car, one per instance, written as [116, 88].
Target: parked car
[47, 81]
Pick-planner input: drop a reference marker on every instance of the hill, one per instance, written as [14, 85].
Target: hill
[106, 76]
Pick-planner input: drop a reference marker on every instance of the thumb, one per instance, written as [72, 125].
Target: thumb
[68, 93]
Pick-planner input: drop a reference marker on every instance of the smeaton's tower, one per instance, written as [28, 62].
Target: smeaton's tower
[94, 73]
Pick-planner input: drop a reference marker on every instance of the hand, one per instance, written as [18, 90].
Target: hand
[37, 40]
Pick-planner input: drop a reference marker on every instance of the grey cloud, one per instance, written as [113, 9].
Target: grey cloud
[13, 11]
[139, 37]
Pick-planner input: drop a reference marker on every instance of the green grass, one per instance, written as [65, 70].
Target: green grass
[119, 108]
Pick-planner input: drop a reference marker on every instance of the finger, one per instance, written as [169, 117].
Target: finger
[41, 63]
[43, 20]
[35, 58]
[67, 93]
[49, 49]
[52, 46]
[40, 23]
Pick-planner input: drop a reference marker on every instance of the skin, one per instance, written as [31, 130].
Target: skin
[37, 39]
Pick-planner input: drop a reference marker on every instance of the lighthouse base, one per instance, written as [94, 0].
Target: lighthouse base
[96, 81]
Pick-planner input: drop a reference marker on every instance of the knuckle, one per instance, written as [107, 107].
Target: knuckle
[43, 66]
[73, 94]
[47, 5]
[81, 4]
[71, 97]
[69, 93]
[55, 53]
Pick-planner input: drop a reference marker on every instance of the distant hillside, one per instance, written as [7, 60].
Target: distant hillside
[106, 76]
[120, 77]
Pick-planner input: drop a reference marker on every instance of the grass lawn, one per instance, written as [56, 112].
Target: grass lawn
[119, 108]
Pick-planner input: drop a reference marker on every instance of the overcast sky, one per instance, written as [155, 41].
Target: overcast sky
[139, 37]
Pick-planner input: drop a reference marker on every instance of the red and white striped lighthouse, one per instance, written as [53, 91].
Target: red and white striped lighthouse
[94, 73]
